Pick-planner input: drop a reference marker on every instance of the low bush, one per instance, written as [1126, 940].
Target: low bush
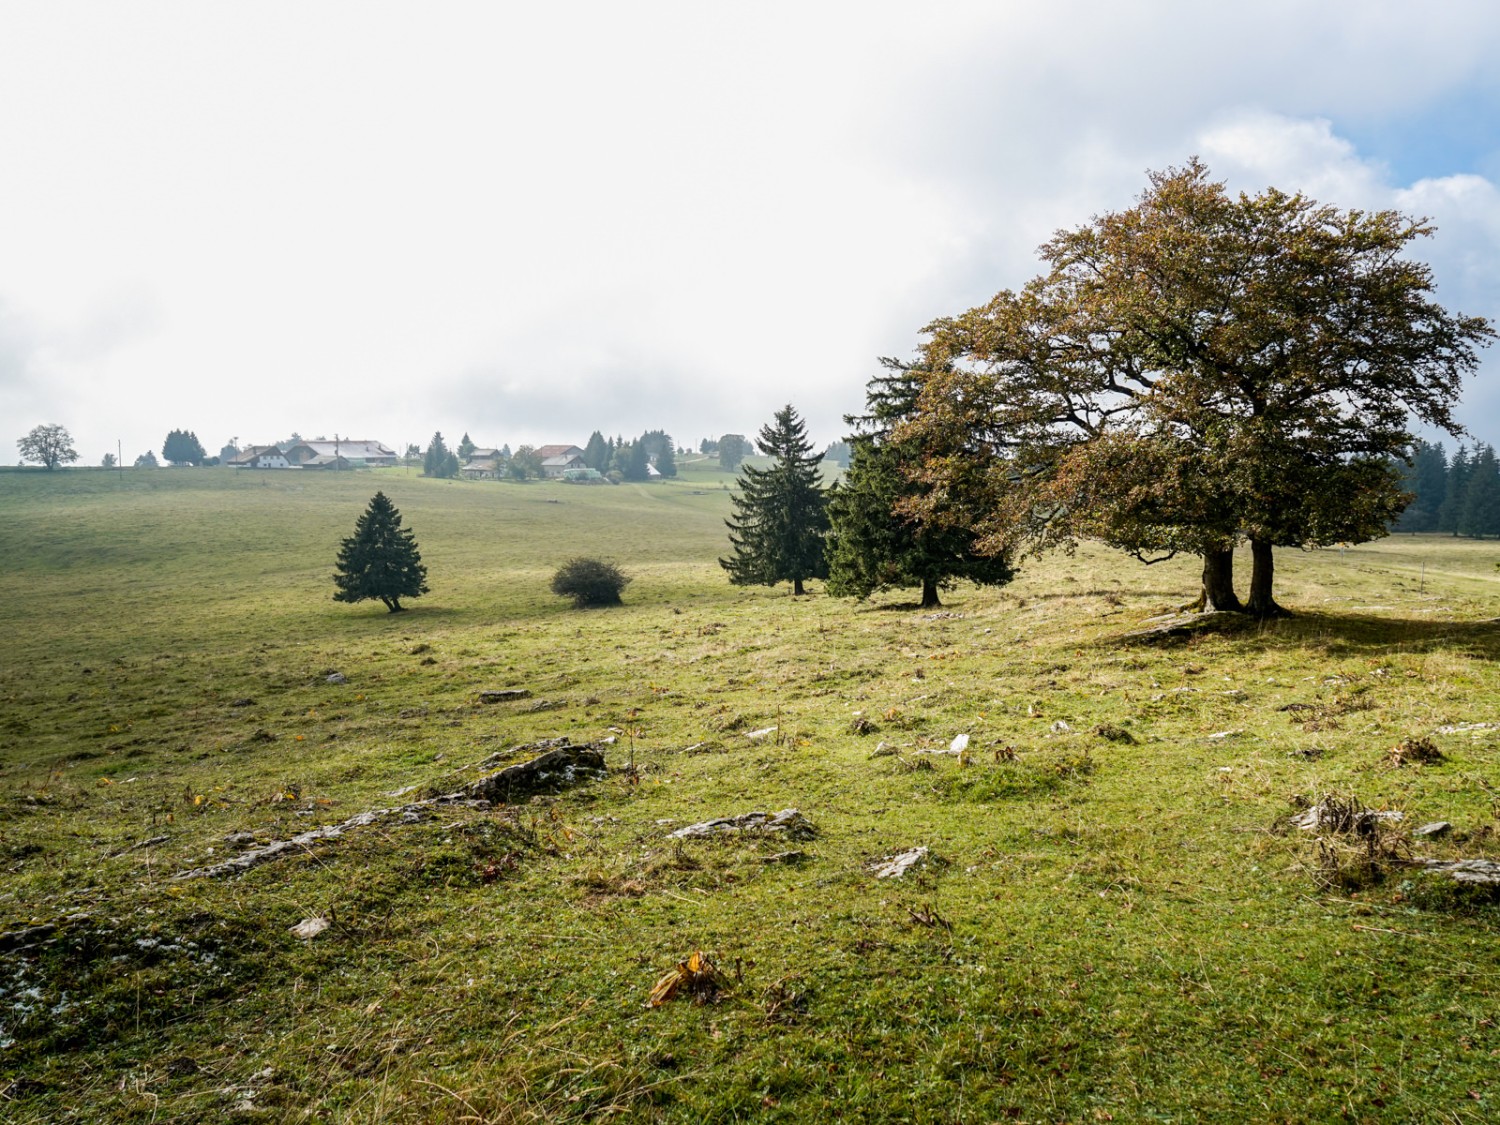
[589, 582]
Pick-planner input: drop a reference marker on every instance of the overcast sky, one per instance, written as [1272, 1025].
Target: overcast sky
[528, 221]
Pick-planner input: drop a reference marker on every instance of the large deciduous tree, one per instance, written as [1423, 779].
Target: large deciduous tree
[1203, 369]
[50, 445]
[780, 516]
[732, 449]
[380, 561]
[878, 539]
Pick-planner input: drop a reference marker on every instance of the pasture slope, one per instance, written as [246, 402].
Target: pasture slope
[1116, 920]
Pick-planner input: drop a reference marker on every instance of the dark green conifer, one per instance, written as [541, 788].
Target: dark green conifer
[780, 516]
[380, 560]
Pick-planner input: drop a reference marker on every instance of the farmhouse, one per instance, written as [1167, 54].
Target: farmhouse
[481, 468]
[359, 453]
[558, 459]
[259, 457]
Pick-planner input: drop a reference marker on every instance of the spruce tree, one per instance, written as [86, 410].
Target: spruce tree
[435, 462]
[596, 453]
[466, 448]
[380, 560]
[780, 515]
[873, 542]
[666, 461]
[1479, 518]
[635, 462]
[1452, 506]
[1427, 480]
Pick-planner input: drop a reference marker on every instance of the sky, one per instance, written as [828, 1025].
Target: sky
[529, 221]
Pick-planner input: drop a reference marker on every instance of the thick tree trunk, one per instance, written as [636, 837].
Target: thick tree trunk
[392, 604]
[797, 589]
[1218, 582]
[929, 594]
[1262, 572]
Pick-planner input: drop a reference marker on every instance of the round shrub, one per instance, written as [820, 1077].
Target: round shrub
[589, 582]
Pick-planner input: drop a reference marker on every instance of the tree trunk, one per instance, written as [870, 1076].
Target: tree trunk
[929, 594]
[1218, 582]
[797, 590]
[1262, 572]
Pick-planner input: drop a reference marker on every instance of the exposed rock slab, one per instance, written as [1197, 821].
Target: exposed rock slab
[896, 866]
[1484, 872]
[788, 822]
[503, 695]
[560, 766]
[557, 769]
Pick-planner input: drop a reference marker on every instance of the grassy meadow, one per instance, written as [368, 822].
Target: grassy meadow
[1115, 922]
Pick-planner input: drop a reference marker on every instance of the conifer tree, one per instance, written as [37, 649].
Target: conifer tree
[466, 447]
[182, 447]
[380, 560]
[1453, 495]
[596, 452]
[634, 462]
[1427, 480]
[666, 461]
[874, 542]
[438, 461]
[1479, 517]
[780, 515]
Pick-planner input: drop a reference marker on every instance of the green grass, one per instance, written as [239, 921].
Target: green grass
[1126, 931]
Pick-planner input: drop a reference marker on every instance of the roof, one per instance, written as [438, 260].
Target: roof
[251, 452]
[350, 447]
[547, 452]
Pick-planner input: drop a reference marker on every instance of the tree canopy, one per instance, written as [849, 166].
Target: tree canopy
[780, 515]
[1201, 369]
[380, 561]
[182, 447]
[732, 449]
[50, 445]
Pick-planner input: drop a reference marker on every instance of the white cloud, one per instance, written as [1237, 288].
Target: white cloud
[328, 216]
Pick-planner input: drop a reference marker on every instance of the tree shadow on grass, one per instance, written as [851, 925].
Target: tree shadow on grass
[1337, 632]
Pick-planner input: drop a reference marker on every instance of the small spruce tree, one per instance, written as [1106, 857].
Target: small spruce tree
[780, 518]
[380, 560]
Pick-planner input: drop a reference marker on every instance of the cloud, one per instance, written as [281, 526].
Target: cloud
[546, 218]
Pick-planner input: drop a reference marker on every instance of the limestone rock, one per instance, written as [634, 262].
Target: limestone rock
[896, 866]
[503, 695]
[787, 822]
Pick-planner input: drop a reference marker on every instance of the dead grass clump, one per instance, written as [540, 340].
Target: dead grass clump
[1112, 733]
[697, 977]
[1357, 846]
[862, 726]
[1414, 752]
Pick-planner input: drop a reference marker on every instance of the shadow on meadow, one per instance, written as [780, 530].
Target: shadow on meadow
[1344, 632]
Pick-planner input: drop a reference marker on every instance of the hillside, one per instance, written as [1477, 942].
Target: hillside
[1115, 919]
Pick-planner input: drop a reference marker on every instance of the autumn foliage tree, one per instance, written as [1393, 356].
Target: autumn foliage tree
[1200, 370]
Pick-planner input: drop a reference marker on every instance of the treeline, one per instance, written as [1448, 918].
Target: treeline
[1458, 495]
